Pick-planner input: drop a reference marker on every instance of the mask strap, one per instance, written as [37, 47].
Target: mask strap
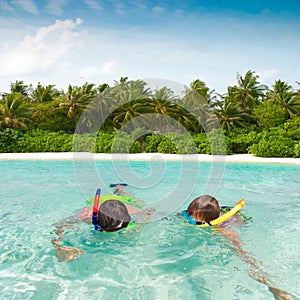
[191, 219]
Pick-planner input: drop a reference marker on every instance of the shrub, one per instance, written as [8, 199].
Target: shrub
[85, 142]
[219, 144]
[9, 139]
[269, 115]
[153, 141]
[135, 147]
[123, 143]
[240, 142]
[213, 141]
[44, 141]
[184, 143]
[292, 128]
[171, 142]
[104, 142]
[202, 143]
[167, 146]
[273, 146]
[297, 150]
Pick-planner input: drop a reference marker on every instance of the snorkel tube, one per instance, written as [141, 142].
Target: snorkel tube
[96, 209]
[238, 206]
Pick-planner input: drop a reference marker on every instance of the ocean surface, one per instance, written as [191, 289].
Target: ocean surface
[165, 258]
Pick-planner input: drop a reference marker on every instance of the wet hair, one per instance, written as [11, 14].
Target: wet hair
[113, 215]
[204, 208]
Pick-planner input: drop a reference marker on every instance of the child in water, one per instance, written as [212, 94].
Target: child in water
[205, 209]
[113, 215]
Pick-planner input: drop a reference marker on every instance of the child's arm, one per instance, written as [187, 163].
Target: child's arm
[143, 217]
[255, 271]
[64, 253]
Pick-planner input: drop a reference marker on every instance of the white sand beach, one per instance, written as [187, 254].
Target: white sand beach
[236, 158]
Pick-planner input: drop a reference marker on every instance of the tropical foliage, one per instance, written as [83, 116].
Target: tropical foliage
[131, 117]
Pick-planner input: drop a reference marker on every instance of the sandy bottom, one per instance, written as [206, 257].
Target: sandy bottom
[245, 158]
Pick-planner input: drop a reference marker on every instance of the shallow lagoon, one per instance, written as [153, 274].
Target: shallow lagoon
[164, 260]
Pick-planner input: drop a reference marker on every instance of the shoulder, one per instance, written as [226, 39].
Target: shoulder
[132, 209]
[234, 221]
[84, 214]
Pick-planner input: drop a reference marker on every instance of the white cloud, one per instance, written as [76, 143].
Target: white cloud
[42, 52]
[55, 7]
[93, 4]
[26, 5]
[66, 53]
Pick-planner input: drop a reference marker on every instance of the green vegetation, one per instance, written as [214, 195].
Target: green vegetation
[129, 117]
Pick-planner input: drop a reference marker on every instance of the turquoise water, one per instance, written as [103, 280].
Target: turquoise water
[164, 259]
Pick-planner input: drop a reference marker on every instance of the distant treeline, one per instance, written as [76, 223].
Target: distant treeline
[249, 118]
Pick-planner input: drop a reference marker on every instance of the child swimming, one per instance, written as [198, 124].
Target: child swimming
[112, 216]
[205, 209]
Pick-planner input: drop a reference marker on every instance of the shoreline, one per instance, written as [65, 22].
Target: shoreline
[235, 158]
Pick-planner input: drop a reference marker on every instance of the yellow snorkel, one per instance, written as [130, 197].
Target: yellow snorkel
[238, 206]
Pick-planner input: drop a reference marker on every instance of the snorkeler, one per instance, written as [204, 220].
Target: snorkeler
[205, 210]
[111, 216]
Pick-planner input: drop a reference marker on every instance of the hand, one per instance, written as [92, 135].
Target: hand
[64, 253]
[280, 294]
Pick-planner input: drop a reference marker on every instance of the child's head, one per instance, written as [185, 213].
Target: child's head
[113, 215]
[204, 209]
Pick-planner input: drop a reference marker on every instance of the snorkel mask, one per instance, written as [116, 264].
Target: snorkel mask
[190, 219]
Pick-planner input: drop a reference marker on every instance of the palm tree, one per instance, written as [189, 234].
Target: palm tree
[14, 111]
[44, 93]
[197, 104]
[102, 87]
[76, 99]
[125, 98]
[283, 95]
[20, 87]
[186, 119]
[125, 113]
[200, 87]
[229, 115]
[161, 106]
[248, 93]
[123, 79]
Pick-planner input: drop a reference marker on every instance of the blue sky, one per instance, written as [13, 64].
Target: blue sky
[65, 42]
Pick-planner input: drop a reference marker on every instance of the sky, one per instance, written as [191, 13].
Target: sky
[66, 42]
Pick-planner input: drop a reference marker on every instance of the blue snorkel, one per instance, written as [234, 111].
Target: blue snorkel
[96, 209]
